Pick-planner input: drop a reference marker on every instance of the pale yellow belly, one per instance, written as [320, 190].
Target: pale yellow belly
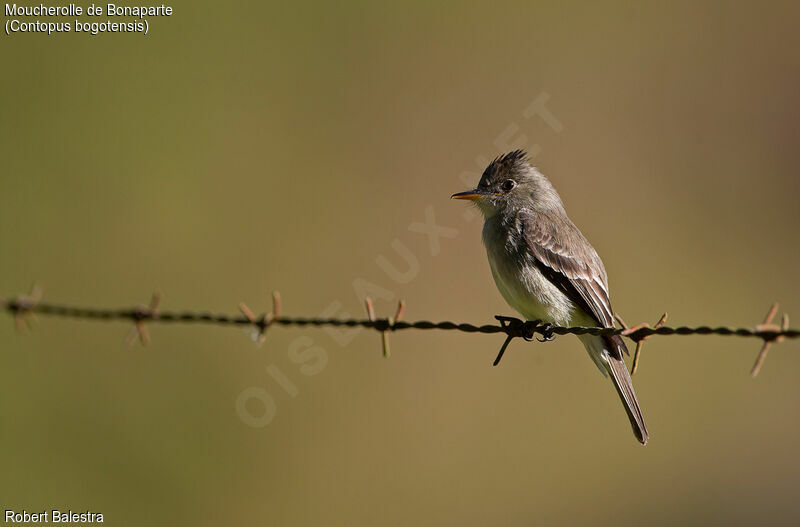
[531, 294]
[536, 298]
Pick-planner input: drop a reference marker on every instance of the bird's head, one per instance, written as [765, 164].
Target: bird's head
[510, 184]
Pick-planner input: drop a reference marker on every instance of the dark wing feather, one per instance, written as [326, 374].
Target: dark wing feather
[568, 260]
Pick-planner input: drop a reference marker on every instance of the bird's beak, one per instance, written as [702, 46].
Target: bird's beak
[471, 195]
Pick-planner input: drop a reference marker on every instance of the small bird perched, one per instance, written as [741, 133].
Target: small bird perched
[545, 268]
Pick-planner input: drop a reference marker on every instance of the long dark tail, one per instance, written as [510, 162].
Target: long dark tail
[622, 382]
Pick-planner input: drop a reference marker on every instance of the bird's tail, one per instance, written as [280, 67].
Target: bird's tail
[615, 365]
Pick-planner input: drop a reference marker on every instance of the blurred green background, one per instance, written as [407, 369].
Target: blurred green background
[240, 148]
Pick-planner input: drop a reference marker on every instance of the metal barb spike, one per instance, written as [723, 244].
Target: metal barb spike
[384, 334]
[142, 313]
[768, 326]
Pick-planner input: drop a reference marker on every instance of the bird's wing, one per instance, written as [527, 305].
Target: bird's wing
[568, 260]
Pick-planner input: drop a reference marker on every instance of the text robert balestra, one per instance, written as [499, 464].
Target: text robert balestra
[52, 516]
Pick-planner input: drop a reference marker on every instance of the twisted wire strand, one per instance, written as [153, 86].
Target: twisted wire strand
[513, 328]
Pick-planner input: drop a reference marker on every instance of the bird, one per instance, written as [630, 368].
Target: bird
[545, 268]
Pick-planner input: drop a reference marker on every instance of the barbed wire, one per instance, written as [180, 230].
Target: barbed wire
[24, 307]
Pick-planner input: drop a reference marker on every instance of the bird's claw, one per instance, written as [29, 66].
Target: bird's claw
[528, 329]
[546, 331]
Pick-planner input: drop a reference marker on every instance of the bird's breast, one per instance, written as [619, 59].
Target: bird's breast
[519, 279]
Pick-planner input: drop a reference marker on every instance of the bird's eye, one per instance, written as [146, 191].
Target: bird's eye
[508, 185]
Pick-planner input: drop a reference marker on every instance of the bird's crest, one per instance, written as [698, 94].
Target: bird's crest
[507, 162]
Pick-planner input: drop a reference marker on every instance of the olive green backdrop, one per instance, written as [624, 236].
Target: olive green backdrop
[240, 148]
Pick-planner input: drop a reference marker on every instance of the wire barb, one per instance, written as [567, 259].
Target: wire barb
[23, 307]
[638, 339]
[515, 327]
[766, 328]
[262, 323]
[139, 314]
[384, 325]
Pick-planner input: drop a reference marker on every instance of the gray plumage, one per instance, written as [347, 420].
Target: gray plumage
[545, 268]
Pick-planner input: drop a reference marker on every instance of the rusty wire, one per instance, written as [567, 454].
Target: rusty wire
[24, 307]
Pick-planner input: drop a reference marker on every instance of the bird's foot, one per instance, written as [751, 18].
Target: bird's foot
[546, 331]
[527, 329]
[514, 328]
